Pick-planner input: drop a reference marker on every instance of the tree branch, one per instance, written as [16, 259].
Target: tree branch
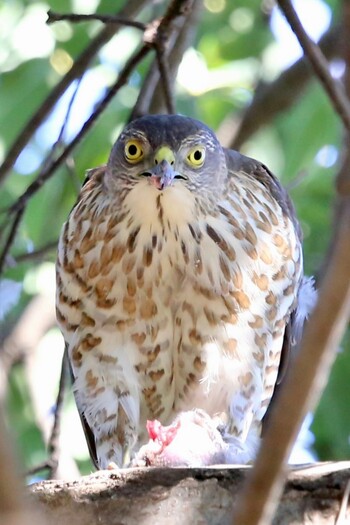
[35, 255]
[303, 385]
[151, 95]
[10, 237]
[53, 444]
[107, 19]
[273, 98]
[333, 87]
[183, 496]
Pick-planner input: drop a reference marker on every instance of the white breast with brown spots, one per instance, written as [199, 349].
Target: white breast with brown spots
[167, 306]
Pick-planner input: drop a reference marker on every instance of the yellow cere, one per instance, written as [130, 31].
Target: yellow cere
[164, 153]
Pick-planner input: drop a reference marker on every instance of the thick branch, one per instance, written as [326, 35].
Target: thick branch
[303, 386]
[185, 496]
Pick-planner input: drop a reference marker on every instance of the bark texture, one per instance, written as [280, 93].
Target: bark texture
[313, 495]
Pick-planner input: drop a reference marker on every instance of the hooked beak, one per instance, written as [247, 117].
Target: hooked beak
[163, 173]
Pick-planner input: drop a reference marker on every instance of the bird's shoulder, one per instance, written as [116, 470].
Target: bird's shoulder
[92, 187]
[238, 164]
[94, 177]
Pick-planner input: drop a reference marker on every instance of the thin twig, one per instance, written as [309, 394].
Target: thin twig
[66, 119]
[80, 65]
[53, 444]
[47, 162]
[11, 237]
[44, 465]
[319, 63]
[297, 180]
[107, 19]
[35, 254]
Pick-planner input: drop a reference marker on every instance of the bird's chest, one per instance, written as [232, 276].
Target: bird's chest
[161, 245]
[158, 239]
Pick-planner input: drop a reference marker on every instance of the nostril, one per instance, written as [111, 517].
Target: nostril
[172, 163]
[155, 161]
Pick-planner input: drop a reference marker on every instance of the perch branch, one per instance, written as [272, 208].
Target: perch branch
[183, 496]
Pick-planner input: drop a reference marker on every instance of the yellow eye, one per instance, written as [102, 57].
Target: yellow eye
[133, 151]
[196, 157]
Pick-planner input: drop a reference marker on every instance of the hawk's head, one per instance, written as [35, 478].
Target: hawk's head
[168, 150]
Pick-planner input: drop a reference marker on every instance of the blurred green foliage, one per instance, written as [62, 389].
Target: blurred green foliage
[234, 47]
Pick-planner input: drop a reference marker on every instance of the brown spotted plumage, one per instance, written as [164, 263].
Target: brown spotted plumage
[178, 273]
